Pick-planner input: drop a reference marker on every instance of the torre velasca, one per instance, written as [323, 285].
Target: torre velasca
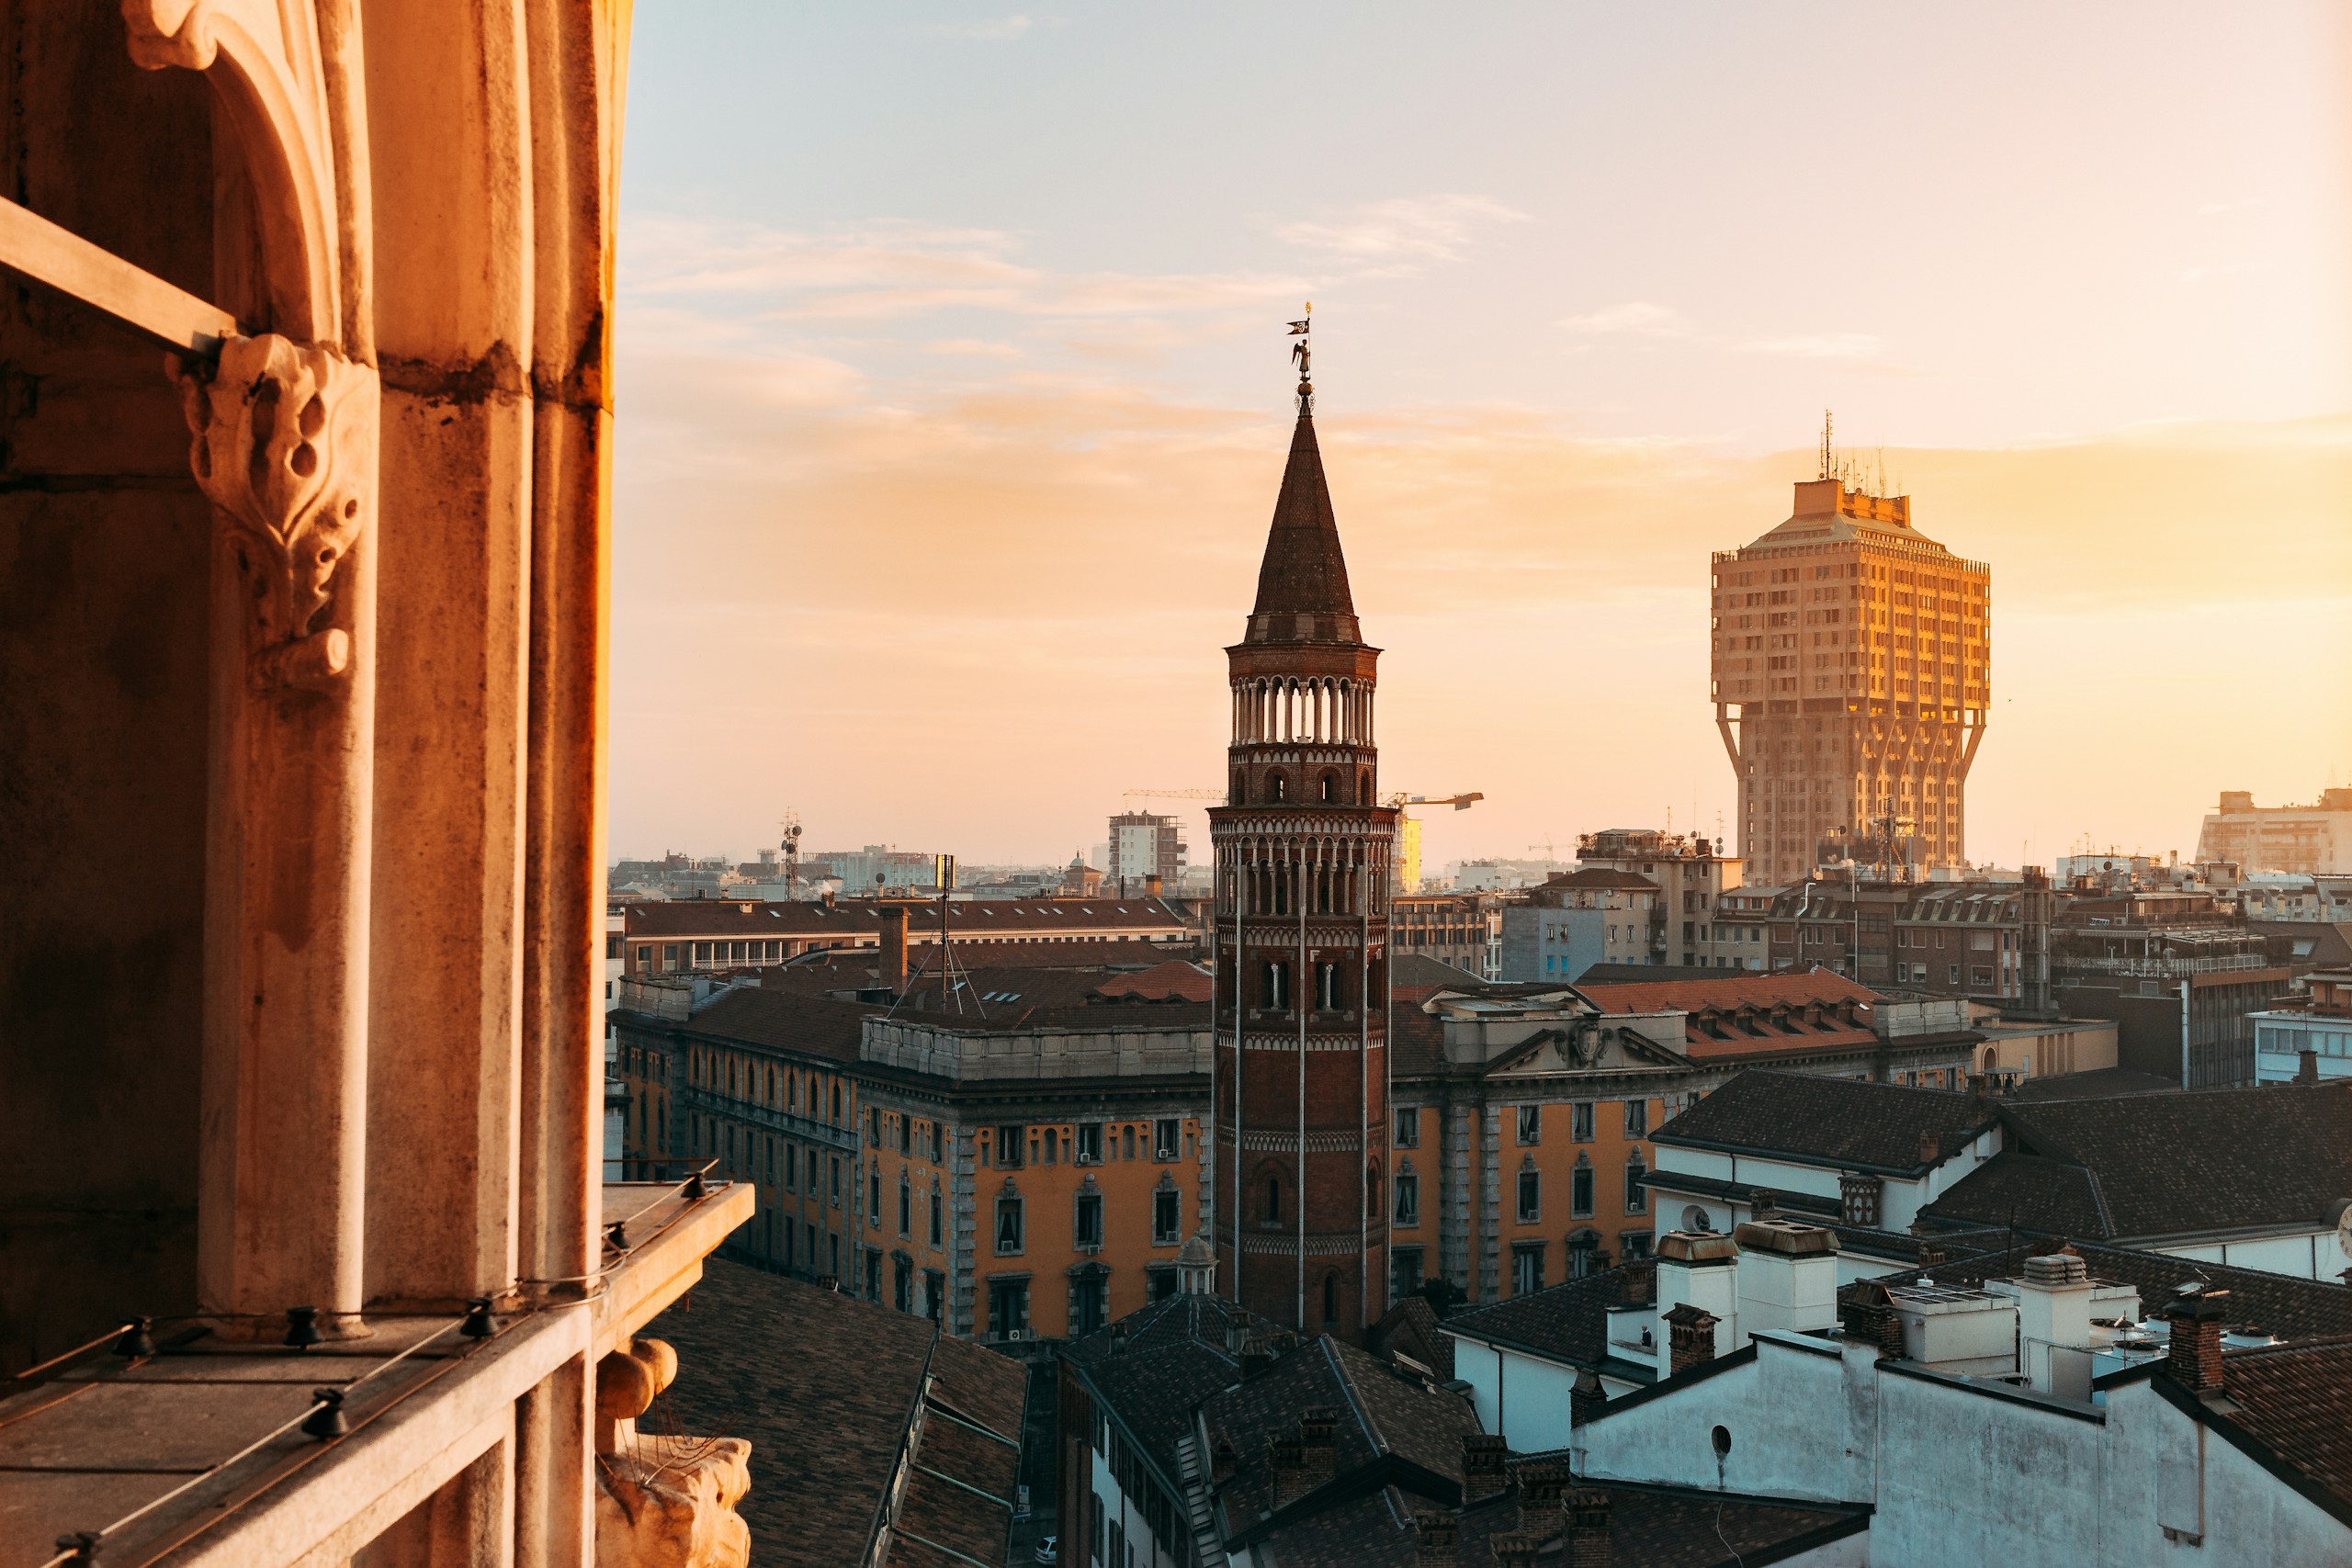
[1851, 681]
[1302, 853]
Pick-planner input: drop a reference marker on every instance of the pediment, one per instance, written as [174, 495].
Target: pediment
[1593, 1046]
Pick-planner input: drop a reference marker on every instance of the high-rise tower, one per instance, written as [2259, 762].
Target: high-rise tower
[1302, 850]
[1851, 663]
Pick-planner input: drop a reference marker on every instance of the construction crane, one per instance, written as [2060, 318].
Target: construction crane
[1459, 802]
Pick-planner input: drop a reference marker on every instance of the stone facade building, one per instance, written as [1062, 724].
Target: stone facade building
[1304, 854]
[303, 490]
[1851, 683]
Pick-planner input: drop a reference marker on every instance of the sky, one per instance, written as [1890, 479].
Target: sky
[953, 394]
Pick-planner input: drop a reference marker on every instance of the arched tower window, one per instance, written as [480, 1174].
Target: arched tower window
[1240, 787]
[1277, 787]
[1331, 1297]
[1331, 789]
[1372, 1191]
[1272, 1196]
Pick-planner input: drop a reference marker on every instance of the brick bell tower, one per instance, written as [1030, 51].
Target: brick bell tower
[1302, 853]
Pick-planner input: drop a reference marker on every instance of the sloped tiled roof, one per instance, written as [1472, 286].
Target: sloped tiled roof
[2179, 1164]
[1153, 1367]
[1568, 1322]
[2297, 1401]
[825, 1387]
[2095, 1083]
[1825, 1121]
[1671, 1527]
[2047, 1197]
[813, 1026]
[1176, 980]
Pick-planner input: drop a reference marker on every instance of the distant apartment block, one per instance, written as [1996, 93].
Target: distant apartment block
[2315, 840]
[1462, 930]
[1850, 660]
[1144, 845]
[2313, 1041]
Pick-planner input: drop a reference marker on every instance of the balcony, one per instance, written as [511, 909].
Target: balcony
[2159, 969]
[207, 1449]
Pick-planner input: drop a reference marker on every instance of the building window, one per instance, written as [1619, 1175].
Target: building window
[1633, 1244]
[1372, 1192]
[1090, 1220]
[1637, 1197]
[1008, 1224]
[1271, 1213]
[1408, 1127]
[1581, 1188]
[874, 1196]
[1167, 1138]
[1160, 1284]
[1009, 1142]
[934, 1295]
[1404, 1272]
[1089, 1303]
[873, 1274]
[1580, 1121]
[906, 1206]
[1584, 1257]
[1327, 987]
[1277, 985]
[1527, 1267]
[1637, 1119]
[1408, 1198]
[902, 1283]
[1167, 1215]
[906, 1134]
[1331, 1297]
[935, 1226]
[833, 1170]
[1530, 1196]
[1090, 1142]
[1008, 1308]
[1531, 1125]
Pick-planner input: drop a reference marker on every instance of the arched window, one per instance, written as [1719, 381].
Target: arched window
[1331, 1297]
[1372, 1192]
[1240, 787]
[1363, 786]
[1637, 1197]
[1273, 1195]
[1584, 1257]
[1330, 788]
[1277, 787]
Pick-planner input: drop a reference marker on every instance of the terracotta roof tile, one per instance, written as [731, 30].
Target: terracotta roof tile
[2297, 1401]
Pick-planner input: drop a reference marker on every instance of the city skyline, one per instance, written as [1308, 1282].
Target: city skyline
[986, 458]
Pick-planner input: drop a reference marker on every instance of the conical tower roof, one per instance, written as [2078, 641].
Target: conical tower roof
[1303, 583]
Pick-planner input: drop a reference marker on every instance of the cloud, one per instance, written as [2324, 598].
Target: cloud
[1426, 228]
[970, 348]
[1664, 323]
[882, 270]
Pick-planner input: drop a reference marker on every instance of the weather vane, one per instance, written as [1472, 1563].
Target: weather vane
[1302, 351]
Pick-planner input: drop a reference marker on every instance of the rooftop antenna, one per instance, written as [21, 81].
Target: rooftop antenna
[791, 854]
[1882, 472]
[1303, 354]
[1826, 464]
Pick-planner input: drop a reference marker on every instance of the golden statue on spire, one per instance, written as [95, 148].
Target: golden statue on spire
[1303, 354]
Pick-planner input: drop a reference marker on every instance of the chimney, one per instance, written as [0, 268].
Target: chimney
[893, 948]
[1483, 1454]
[1587, 1398]
[2054, 1314]
[827, 898]
[1540, 1481]
[1584, 1529]
[2195, 1358]
[1691, 1337]
[2307, 1067]
[1319, 1440]
[1224, 1460]
[1437, 1534]
[1256, 1356]
[1858, 1199]
[1931, 1147]
[1514, 1549]
[1763, 1204]
[1285, 1458]
[1151, 885]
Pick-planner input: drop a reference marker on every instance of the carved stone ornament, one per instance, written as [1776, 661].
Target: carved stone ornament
[285, 447]
[171, 32]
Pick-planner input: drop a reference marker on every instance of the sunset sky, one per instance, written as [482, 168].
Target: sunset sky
[953, 395]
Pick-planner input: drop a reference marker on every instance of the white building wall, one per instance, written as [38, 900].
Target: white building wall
[1785, 1413]
[1521, 1396]
[2308, 1255]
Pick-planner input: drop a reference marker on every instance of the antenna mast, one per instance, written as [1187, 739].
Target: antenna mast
[1826, 461]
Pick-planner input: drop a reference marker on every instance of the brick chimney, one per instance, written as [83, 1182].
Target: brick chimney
[1584, 1529]
[1287, 1459]
[1763, 1204]
[1319, 1437]
[1587, 1398]
[2307, 1067]
[1257, 1354]
[1515, 1549]
[1540, 1481]
[893, 948]
[1151, 885]
[1931, 1147]
[2195, 1360]
[1691, 1338]
[1483, 1457]
[1438, 1533]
